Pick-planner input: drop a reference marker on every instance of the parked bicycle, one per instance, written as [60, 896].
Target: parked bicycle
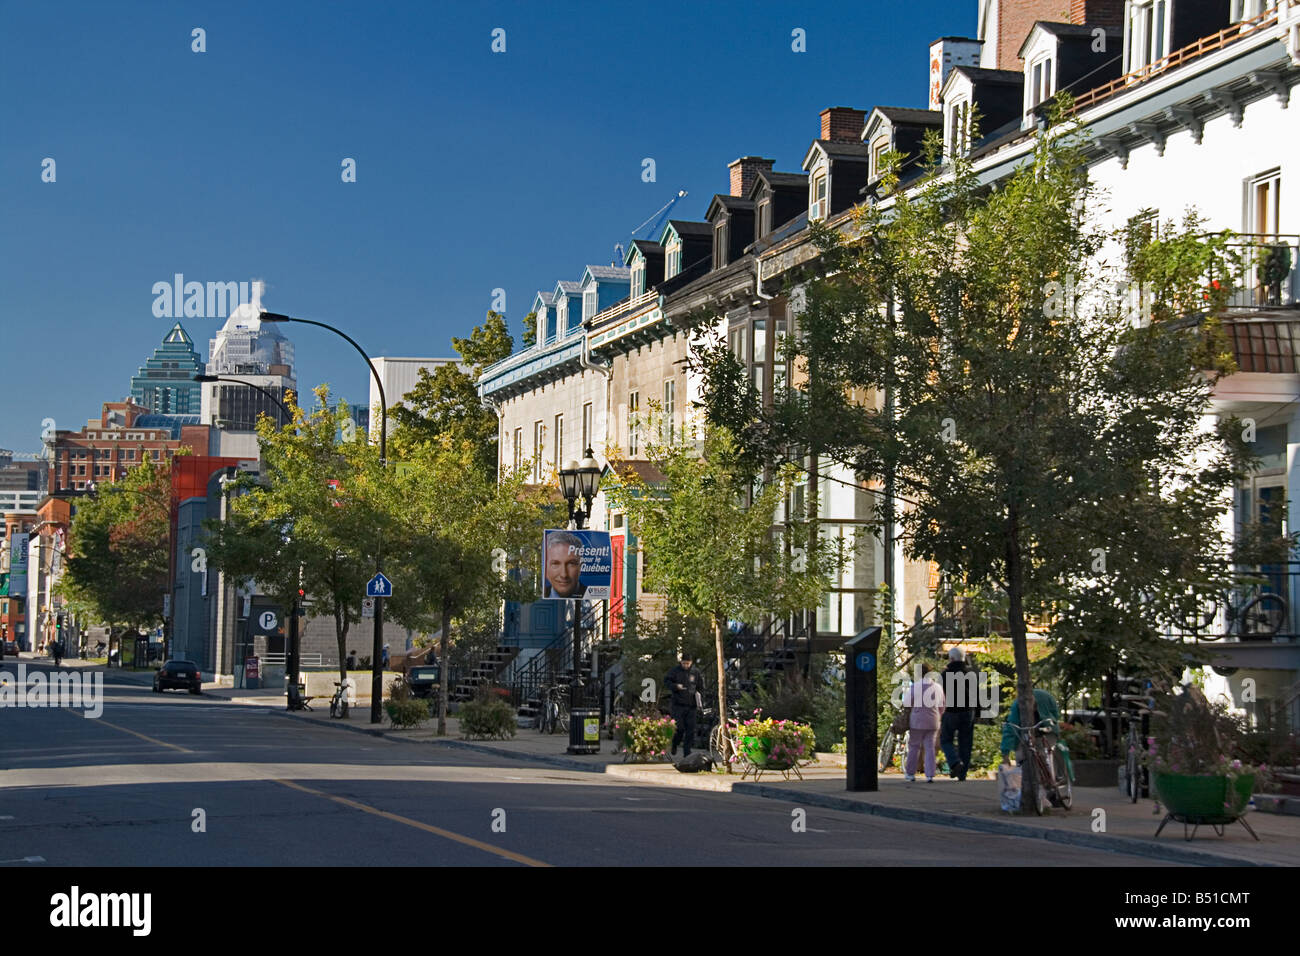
[1137, 781]
[555, 710]
[1051, 769]
[339, 703]
[1249, 612]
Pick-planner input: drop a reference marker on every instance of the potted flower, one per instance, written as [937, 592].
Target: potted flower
[769, 744]
[1194, 762]
[643, 738]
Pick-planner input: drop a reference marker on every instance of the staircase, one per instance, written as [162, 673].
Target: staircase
[553, 664]
[485, 672]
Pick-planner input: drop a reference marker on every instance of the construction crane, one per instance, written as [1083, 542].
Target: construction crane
[656, 222]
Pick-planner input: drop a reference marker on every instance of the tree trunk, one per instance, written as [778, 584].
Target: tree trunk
[1019, 645]
[341, 636]
[722, 690]
[443, 665]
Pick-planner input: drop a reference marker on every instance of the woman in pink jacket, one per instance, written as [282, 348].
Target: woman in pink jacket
[928, 704]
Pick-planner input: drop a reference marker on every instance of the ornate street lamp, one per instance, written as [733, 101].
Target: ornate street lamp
[579, 482]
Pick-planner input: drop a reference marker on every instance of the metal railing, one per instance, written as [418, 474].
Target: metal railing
[305, 660]
[1178, 57]
[555, 660]
[1264, 271]
[1259, 607]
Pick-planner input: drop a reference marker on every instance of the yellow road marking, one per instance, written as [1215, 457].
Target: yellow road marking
[428, 828]
[152, 740]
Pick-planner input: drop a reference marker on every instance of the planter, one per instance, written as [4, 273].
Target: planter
[758, 751]
[1096, 773]
[1204, 798]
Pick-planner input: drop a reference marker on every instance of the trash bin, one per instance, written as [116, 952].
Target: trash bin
[584, 730]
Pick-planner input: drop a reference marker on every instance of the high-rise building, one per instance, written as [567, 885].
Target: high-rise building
[165, 383]
[255, 355]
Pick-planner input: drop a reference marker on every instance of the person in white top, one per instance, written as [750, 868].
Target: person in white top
[927, 703]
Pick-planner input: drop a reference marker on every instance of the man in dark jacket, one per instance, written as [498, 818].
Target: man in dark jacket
[960, 691]
[685, 685]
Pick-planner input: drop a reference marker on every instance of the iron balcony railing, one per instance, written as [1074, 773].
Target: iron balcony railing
[1264, 271]
[1260, 606]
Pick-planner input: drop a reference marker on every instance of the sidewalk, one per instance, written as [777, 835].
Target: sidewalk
[1101, 818]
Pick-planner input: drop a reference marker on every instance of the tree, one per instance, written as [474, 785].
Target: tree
[453, 535]
[118, 559]
[446, 402]
[530, 329]
[1044, 441]
[306, 521]
[710, 554]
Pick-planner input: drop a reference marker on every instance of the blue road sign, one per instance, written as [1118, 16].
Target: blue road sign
[866, 661]
[379, 586]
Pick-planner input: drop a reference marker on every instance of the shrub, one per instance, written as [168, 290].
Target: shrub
[487, 718]
[406, 713]
[1080, 741]
[643, 737]
[986, 749]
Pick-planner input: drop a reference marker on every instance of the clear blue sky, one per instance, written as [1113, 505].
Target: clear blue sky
[475, 170]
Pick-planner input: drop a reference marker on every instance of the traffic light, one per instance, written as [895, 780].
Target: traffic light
[58, 623]
[302, 599]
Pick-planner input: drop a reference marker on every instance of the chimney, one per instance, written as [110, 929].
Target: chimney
[842, 124]
[1097, 13]
[945, 53]
[744, 171]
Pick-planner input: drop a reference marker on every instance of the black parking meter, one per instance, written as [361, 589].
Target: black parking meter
[861, 675]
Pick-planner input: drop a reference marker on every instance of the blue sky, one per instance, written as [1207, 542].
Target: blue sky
[475, 170]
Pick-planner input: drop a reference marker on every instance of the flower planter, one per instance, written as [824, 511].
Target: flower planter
[758, 751]
[1204, 800]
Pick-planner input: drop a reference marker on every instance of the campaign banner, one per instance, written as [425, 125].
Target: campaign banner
[18, 565]
[576, 564]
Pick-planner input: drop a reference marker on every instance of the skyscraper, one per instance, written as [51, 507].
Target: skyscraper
[254, 355]
[165, 383]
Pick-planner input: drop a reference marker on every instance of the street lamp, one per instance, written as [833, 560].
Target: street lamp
[579, 482]
[376, 670]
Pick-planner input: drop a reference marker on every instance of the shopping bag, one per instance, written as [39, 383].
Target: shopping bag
[1009, 787]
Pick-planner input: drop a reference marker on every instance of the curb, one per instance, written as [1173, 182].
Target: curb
[1130, 846]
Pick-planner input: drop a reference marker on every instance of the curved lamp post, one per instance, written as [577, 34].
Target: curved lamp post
[579, 482]
[376, 671]
[239, 381]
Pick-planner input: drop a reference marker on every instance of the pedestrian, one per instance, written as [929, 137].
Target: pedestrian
[351, 662]
[384, 658]
[685, 684]
[957, 728]
[926, 703]
[1045, 708]
[56, 651]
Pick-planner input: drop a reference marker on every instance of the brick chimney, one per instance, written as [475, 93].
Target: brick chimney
[842, 124]
[1097, 13]
[744, 171]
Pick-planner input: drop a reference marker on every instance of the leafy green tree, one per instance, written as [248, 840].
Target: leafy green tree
[118, 560]
[530, 329]
[446, 402]
[709, 534]
[1045, 439]
[454, 535]
[307, 521]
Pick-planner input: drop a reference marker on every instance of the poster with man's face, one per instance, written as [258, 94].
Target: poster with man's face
[576, 564]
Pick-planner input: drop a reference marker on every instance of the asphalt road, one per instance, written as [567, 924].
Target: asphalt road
[129, 789]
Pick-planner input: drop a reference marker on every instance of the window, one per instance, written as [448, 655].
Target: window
[538, 438]
[760, 341]
[1041, 83]
[1262, 203]
[518, 449]
[958, 129]
[638, 276]
[764, 216]
[1147, 39]
[588, 303]
[878, 150]
[561, 315]
[559, 442]
[586, 428]
[1249, 9]
[720, 244]
[633, 407]
[673, 265]
[817, 209]
[670, 406]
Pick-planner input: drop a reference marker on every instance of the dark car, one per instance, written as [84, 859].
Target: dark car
[423, 680]
[11, 649]
[182, 674]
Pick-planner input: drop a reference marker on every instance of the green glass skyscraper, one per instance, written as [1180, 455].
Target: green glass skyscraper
[165, 383]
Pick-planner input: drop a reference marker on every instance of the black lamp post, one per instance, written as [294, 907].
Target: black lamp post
[239, 381]
[376, 668]
[579, 482]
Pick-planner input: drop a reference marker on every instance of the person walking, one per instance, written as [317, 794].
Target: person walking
[925, 701]
[383, 660]
[351, 662]
[56, 652]
[957, 727]
[686, 686]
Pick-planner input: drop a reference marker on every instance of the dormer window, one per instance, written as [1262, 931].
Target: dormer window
[878, 150]
[1147, 39]
[588, 303]
[958, 129]
[1040, 76]
[562, 315]
[638, 276]
[764, 210]
[541, 326]
[1249, 9]
[673, 259]
[720, 244]
[818, 207]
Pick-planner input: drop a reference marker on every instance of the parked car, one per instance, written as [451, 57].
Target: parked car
[178, 674]
[11, 648]
[424, 680]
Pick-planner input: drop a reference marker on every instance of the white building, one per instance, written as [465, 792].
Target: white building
[399, 376]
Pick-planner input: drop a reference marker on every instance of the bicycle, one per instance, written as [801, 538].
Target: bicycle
[339, 703]
[555, 710]
[891, 745]
[1137, 778]
[1249, 612]
[1053, 777]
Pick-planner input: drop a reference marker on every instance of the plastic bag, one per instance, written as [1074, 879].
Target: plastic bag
[1009, 787]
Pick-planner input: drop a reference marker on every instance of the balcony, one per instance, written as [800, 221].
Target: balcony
[1254, 624]
[1264, 271]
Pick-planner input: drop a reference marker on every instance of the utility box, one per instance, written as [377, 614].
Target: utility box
[861, 680]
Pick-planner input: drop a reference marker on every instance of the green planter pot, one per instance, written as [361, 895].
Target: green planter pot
[1204, 798]
[758, 750]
